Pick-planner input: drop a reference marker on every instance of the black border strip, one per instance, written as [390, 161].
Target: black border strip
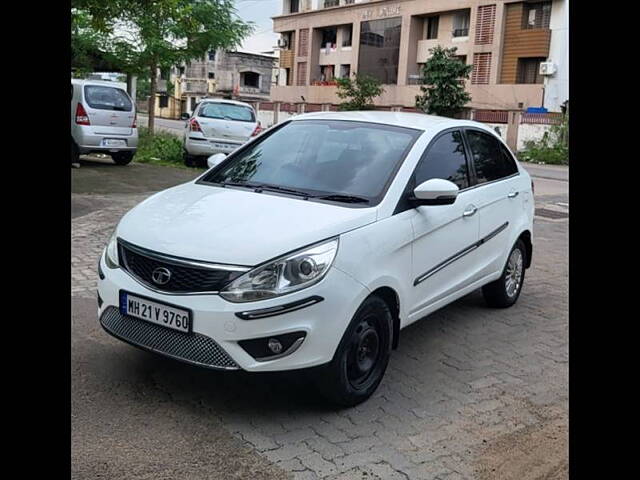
[459, 255]
[280, 309]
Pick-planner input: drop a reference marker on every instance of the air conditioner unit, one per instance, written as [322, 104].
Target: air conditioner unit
[282, 43]
[547, 68]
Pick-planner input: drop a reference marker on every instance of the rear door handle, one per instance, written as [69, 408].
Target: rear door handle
[470, 210]
[513, 194]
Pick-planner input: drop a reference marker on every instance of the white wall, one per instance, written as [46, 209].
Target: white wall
[530, 131]
[557, 85]
[266, 117]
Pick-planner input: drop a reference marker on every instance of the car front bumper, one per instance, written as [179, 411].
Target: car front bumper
[216, 329]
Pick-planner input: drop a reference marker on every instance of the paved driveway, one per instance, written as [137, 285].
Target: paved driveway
[471, 393]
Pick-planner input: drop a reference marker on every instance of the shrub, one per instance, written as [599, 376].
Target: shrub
[552, 148]
[359, 92]
[162, 148]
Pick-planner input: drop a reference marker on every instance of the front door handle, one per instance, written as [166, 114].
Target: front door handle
[469, 211]
[513, 194]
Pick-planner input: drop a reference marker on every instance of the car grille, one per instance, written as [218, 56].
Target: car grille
[184, 278]
[192, 348]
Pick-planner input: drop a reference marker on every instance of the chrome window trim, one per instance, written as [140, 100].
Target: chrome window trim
[456, 256]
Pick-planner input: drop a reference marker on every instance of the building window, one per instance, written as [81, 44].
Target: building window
[331, 3]
[164, 101]
[485, 24]
[212, 55]
[326, 73]
[461, 24]
[294, 6]
[345, 71]
[212, 75]
[347, 32]
[181, 70]
[250, 79]
[536, 15]
[481, 68]
[432, 27]
[380, 49]
[329, 36]
[529, 70]
[461, 58]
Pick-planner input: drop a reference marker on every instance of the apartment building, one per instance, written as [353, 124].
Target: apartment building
[505, 41]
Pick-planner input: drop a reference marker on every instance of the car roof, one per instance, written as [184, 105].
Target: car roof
[420, 121]
[224, 100]
[107, 83]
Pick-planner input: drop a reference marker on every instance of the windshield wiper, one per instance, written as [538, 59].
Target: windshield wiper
[343, 198]
[277, 188]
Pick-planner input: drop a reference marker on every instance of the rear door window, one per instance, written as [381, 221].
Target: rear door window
[227, 111]
[489, 158]
[107, 98]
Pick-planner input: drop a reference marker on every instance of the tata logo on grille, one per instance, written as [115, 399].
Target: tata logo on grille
[161, 276]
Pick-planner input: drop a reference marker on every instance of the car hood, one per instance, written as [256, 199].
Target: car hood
[234, 226]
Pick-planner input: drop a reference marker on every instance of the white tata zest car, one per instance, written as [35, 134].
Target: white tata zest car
[316, 242]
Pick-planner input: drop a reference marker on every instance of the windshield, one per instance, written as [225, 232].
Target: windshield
[226, 111]
[107, 98]
[322, 157]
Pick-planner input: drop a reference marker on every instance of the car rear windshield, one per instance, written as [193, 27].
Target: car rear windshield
[322, 157]
[107, 98]
[227, 111]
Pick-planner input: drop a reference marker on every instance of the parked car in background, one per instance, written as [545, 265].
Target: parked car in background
[103, 120]
[218, 126]
[316, 242]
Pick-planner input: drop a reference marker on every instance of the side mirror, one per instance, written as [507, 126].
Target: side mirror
[185, 116]
[215, 159]
[436, 191]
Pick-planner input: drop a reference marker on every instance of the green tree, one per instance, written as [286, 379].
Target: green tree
[143, 36]
[443, 76]
[358, 91]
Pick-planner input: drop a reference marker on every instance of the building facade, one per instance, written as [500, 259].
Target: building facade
[242, 76]
[505, 41]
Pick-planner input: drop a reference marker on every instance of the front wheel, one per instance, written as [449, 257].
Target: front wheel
[122, 158]
[362, 356]
[504, 292]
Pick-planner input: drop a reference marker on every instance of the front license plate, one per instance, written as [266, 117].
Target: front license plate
[114, 142]
[155, 312]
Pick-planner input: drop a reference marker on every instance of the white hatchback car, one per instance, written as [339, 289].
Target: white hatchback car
[218, 126]
[315, 243]
[103, 120]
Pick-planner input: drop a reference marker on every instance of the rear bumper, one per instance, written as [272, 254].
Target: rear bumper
[89, 141]
[205, 147]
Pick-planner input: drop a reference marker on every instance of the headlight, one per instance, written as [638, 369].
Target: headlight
[287, 274]
[111, 252]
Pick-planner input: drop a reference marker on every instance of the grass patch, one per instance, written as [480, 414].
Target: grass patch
[160, 149]
[552, 148]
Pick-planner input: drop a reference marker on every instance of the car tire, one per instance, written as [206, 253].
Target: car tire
[504, 291]
[122, 158]
[75, 153]
[189, 160]
[362, 356]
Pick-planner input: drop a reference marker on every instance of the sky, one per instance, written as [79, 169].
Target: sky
[260, 13]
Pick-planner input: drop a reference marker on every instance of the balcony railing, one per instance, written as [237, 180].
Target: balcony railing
[460, 32]
[195, 86]
[331, 3]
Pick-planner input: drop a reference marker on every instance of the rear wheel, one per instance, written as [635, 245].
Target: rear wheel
[505, 291]
[193, 160]
[362, 356]
[122, 158]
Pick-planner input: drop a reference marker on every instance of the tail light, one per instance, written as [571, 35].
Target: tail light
[135, 121]
[257, 130]
[194, 126]
[81, 115]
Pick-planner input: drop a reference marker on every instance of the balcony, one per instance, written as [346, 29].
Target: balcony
[195, 86]
[423, 54]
